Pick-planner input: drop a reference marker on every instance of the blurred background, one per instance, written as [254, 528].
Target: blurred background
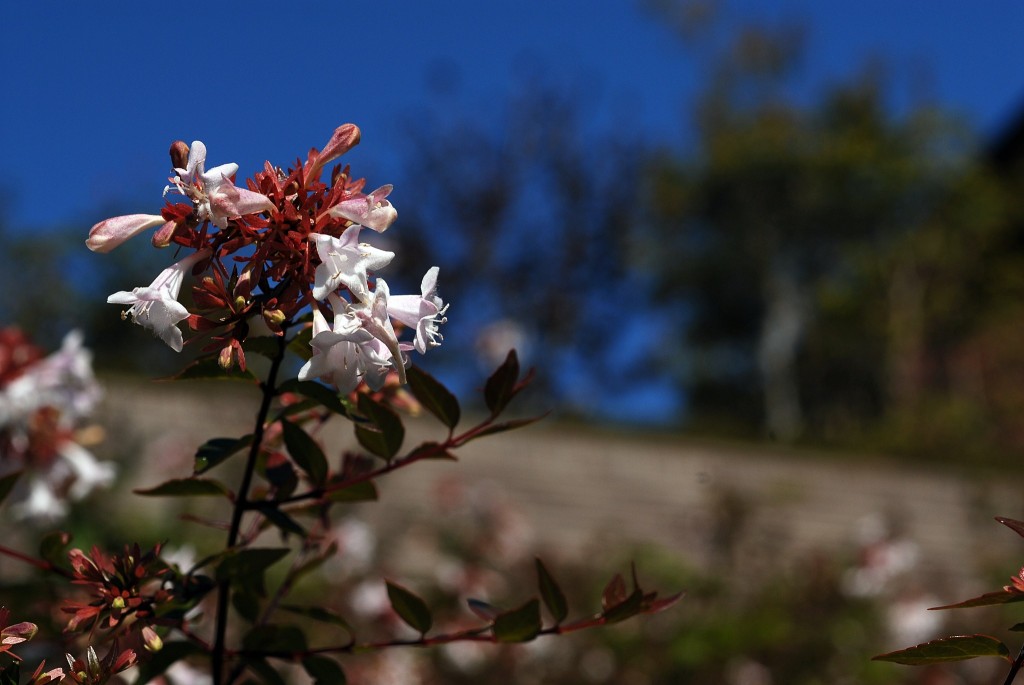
[729, 233]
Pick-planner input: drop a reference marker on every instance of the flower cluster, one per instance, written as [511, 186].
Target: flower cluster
[265, 253]
[122, 587]
[43, 401]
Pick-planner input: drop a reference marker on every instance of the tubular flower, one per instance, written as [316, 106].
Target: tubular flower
[372, 211]
[423, 313]
[215, 198]
[108, 234]
[346, 261]
[346, 354]
[156, 306]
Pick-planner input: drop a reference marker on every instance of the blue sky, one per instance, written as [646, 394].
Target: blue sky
[96, 91]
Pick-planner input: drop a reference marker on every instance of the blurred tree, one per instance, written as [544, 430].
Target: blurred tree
[754, 227]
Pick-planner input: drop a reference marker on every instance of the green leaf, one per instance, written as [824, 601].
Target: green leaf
[987, 599]
[187, 487]
[280, 519]
[506, 426]
[247, 605]
[209, 369]
[434, 397]
[410, 608]
[518, 625]
[305, 452]
[385, 434]
[246, 567]
[629, 607]
[300, 344]
[263, 345]
[158, 662]
[324, 670]
[324, 396]
[53, 548]
[955, 648]
[364, 491]
[318, 613]
[7, 484]
[501, 386]
[267, 674]
[554, 598]
[271, 637]
[216, 450]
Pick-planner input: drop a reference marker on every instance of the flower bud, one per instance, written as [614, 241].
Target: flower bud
[117, 604]
[17, 633]
[274, 317]
[179, 154]
[151, 641]
[226, 358]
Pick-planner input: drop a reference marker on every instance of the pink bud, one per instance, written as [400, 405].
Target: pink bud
[108, 234]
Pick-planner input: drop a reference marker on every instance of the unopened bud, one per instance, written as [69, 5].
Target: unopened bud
[226, 358]
[150, 640]
[239, 302]
[163, 235]
[18, 633]
[179, 154]
[274, 317]
[118, 603]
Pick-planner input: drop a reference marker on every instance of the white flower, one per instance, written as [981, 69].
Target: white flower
[64, 380]
[346, 261]
[372, 211]
[156, 306]
[345, 354]
[423, 313]
[215, 197]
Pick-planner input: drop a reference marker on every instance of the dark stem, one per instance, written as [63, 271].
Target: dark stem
[1017, 663]
[241, 500]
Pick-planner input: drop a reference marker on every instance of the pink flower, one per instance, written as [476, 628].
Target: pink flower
[346, 261]
[215, 198]
[372, 211]
[108, 234]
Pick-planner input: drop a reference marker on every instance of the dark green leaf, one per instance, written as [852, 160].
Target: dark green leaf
[216, 450]
[518, 625]
[1017, 627]
[324, 670]
[955, 648]
[500, 387]
[431, 450]
[280, 519]
[326, 397]
[988, 599]
[385, 433]
[53, 548]
[246, 567]
[629, 607]
[187, 487]
[410, 608]
[209, 369]
[267, 674]
[318, 613]
[274, 638]
[7, 484]
[158, 662]
[434, 397]
[305, 452]
[300, 344]
[552, 595]
[363, 491]
[264, 345]
[247, 605]
[506, 426]
[1013, 524]
[280, 473]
